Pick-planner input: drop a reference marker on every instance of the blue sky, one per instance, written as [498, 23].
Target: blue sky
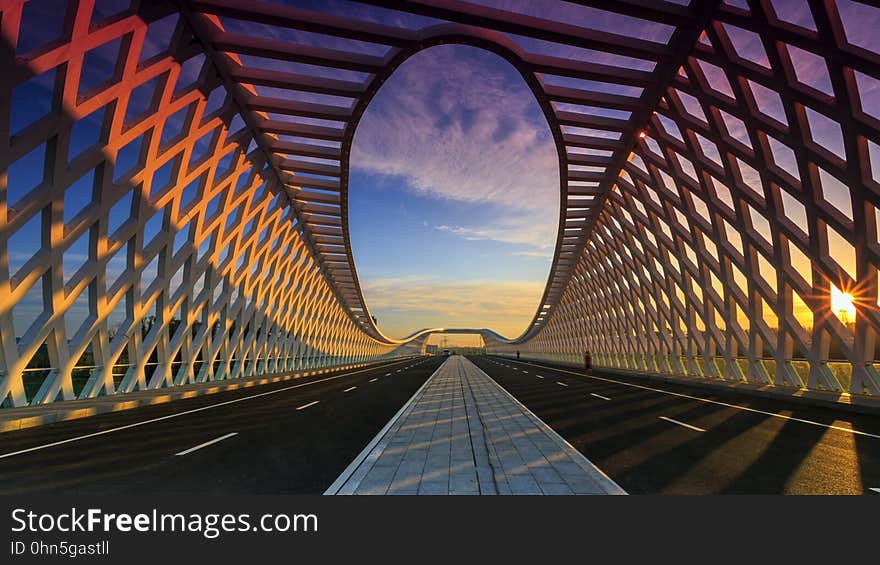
[453, 195]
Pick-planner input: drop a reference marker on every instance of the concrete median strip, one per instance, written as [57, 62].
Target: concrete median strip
[463, 433]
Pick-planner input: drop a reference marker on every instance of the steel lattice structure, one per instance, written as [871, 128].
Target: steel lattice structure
[696, 236]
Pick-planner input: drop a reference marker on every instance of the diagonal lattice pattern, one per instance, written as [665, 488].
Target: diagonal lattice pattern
[306, 76]
[173, 198]
[187, 263]
[751, 201]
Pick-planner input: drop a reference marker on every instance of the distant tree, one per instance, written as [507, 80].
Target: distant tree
[173, 324]
[147, 324]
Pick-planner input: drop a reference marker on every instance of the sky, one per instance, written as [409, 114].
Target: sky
[453, 195]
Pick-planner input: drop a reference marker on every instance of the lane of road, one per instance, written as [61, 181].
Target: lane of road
[297, 436]
[281, 438]
[668, 438]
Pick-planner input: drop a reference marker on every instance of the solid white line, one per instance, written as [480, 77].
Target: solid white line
[185, 412]
[720, 403]
[373, 380]
[206, 444]
[599, 396]
[688, 426]
[349, 389]
[561, 384]
[304, 406]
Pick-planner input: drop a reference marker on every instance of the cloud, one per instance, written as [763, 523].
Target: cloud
[535, 254]
[453, 123]
[519, 229]
[406, 304]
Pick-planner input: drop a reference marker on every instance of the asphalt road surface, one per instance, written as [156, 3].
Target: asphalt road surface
[296, 437]
[663, 438]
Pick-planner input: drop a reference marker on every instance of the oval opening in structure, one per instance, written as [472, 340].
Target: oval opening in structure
[453, 195]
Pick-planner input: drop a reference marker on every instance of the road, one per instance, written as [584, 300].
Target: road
[672, 439]
[296, 437]
[293, 437]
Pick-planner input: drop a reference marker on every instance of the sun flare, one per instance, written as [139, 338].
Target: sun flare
[842, 305]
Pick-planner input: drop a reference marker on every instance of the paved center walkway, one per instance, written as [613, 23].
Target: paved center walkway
[461, 433]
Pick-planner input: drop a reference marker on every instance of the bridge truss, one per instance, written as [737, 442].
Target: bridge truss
[718, 178]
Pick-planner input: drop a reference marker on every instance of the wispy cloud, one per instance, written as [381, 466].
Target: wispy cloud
[534, 254]
[453, 125]
[518, 229]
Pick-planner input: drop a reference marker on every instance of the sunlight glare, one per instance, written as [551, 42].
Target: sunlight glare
[842, 305]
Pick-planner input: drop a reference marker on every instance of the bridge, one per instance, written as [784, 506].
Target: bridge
[717, 248]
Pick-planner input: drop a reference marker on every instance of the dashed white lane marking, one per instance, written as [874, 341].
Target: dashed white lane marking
[304, 406]
[720, 403]
[349, 389]
[599, 396]
[386, 374]
[206, 444]
[875, 489]
[373, 380]
[561, 384]
[688, 426]
[539, 376]
[186, 412]
[525, 372]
